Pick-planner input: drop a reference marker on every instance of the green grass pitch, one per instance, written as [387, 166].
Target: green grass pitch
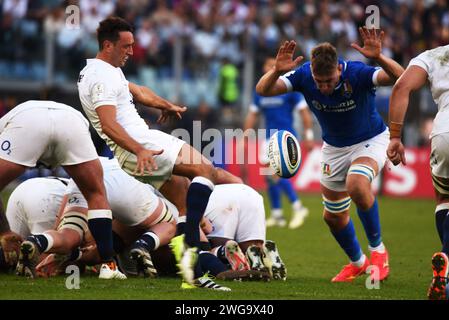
[310, 253]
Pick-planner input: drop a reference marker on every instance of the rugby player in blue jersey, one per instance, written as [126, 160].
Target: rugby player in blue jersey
[341, 95]
[278, 113]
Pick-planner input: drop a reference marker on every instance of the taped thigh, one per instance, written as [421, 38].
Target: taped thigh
[363, 170]
[337, 206]
[74, 221]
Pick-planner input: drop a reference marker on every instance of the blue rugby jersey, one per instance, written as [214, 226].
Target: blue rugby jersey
[347, 116]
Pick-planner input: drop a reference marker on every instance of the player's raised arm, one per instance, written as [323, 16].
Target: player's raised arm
[372, 49]
[270, 84]
[413, 78]
[148, 98]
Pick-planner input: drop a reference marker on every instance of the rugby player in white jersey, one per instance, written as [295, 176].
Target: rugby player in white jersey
[236, 213]
[24, 216]
[143, 219]
[38, 131]
[430, 66]
[153, 156]
[133, 203]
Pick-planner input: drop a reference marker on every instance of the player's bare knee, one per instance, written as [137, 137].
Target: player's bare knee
[360, 192]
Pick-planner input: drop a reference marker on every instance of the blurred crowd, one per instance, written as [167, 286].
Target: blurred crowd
[211, 41]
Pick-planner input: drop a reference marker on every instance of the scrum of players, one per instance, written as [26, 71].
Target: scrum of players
[97, 217]
[159, 207]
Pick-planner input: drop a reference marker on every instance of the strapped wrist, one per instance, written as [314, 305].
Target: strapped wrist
[395, 129]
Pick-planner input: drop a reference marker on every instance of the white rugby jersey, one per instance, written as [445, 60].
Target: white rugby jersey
[100, 84]
[436, 63]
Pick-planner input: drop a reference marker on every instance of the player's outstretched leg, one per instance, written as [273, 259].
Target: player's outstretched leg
[191, 164]
[336, 215]
[358, 184]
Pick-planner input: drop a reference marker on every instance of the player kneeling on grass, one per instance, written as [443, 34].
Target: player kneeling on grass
[133, 204]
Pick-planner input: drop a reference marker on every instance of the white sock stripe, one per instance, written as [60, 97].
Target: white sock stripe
[442, 206]
[204, 181]
[157, 241]
[50, 241]
[99, 213]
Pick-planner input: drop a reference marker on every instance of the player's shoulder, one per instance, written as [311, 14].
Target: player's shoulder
[435, 55]
[352, 65]
[98, 69]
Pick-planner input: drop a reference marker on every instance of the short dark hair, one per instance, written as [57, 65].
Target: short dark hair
[324, 59]
[110, 28]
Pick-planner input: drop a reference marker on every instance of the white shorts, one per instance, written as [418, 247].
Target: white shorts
[237, 212]
[439, 162]
[131, 201]
[34, 204]
[157, 140]
[336, 161]
[46, 131]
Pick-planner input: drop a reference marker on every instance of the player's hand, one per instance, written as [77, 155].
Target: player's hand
[145, 161]
[10, 242]
[52, 265]
[284, 58]
[372, 43]
[396, 152]
[174, 112]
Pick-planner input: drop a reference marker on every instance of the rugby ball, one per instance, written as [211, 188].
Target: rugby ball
[284, 153]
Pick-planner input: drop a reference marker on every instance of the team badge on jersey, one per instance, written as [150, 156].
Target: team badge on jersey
[98, 91]
[326, 169]
[346, 89]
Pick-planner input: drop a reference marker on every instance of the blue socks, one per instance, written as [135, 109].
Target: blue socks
[371, 224]
[197, 198]
[442, 223]
[347, 240]
[101, 229]
[446, 236]
[210, 263]
[149, 241]
[274, 193]
[287, 187]
[40, 241]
